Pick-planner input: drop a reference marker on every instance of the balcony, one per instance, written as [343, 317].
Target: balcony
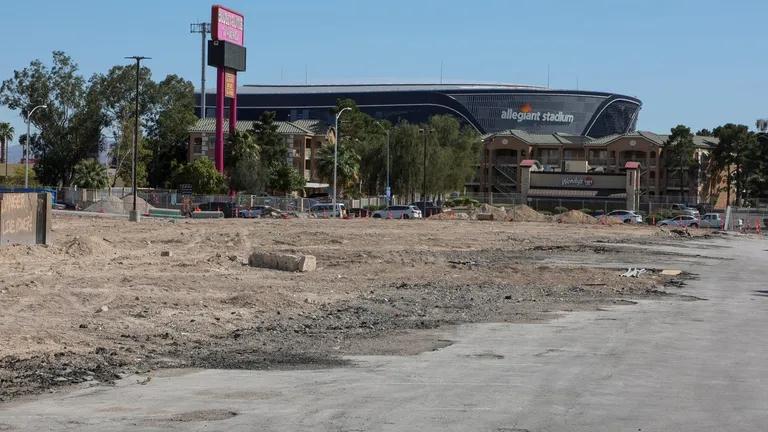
[598, 162]
[549, 161]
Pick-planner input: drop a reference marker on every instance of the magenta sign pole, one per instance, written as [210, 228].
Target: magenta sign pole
[228, 56]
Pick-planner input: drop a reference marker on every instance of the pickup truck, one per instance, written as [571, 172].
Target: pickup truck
[712, 220]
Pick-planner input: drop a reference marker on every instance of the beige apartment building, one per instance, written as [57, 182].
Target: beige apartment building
[578, 162]
[304, 138]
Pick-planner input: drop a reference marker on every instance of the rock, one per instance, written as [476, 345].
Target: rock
[104, 308]
[285, 262]
[83, 326]
[670, 272]
[485, 217]
[165, 253]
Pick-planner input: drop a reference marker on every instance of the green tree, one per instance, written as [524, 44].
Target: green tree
[71, 125]
[730, 156]
[368, 140]
[678, 155]
[280, 174]
[347, 167]
[201, 174]
[90, 174]
[6, 135]
[243, 164]
[168, 127]
[704, 132]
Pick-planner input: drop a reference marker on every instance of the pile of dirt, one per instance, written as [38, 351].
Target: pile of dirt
[449, 215]
[499, 214]
[523, 213]
[610, 220]
[111, 204]
[141, 205]
[82, 246]
[575, 217]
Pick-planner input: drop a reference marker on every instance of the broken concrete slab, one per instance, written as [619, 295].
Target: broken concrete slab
[285, 262]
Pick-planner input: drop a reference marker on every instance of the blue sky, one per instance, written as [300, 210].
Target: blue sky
[697, 62]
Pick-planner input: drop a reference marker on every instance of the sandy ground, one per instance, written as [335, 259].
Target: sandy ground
[102, 301]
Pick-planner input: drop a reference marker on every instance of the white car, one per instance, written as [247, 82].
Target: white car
[681, 221]
[626, 216]
[398, 212]
[327, 211]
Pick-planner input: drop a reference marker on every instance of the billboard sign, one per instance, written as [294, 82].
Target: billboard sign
[230, 84]
[227, 25]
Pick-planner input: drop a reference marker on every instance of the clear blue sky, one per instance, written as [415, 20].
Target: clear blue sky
[697, 62]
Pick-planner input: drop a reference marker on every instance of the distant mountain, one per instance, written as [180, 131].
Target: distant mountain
[15, 152]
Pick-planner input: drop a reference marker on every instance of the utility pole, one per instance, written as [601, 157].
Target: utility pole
[203, 28]
[134, 216]
[336, 157]
[388, 190]
[26, 147]
[424, 178]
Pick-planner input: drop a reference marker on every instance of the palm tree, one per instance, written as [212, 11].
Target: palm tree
[90, 174]
[6, 135]
[348, 166]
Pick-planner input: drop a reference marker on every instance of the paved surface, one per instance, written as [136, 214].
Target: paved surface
[656, 366]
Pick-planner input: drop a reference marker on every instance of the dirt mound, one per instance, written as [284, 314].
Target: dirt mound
[499, 214]
[610, 220]
[141, 205]
[523, 213]
[111, 204]
[87, 246]
[449, 215]
[575, 217]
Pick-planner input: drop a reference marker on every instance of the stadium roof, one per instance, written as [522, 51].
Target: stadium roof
[366, 88]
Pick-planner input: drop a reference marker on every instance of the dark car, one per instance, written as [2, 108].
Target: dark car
[428, 208]
[227, 208]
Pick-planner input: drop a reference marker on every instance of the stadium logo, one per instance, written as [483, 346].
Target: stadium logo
[526, 113]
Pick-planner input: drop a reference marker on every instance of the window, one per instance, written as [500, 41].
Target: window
[307, 165]
[198, 146]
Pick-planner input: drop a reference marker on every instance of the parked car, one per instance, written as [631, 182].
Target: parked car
[626, 216]
[712, 220]
[327, 210]
[398, 212]
[227, 208]
[681, 221]
[428, 208]
[359, 212]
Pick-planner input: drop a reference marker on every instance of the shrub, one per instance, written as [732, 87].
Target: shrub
[587, 211]
[546, 212]
[559, 210]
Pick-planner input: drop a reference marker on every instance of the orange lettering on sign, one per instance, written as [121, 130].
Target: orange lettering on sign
[230, 84]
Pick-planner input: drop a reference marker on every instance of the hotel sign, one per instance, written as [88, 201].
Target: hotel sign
[227, 25]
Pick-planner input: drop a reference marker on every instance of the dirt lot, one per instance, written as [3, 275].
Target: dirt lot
[102, 301]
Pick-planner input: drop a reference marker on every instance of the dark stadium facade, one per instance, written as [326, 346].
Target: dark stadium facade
[488, 108]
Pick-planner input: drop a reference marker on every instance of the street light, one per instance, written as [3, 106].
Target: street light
[425, 132]
[388, 191]
[134, 215]
[26, 144]
[336, 157]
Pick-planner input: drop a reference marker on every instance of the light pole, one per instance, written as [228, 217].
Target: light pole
[336, 157]
[424, 178]
[134, 215]
[203, 28]
[26, 145]
[388, 191]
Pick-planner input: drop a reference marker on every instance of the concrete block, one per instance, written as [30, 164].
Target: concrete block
[284, 262]
[485, 216]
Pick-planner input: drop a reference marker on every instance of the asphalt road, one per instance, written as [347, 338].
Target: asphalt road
[667, 365]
